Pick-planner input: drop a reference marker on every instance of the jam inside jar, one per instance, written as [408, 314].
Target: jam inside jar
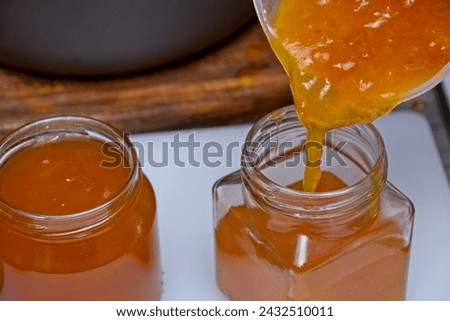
[77, 215]
[349, 240]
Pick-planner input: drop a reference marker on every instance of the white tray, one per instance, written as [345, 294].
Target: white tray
[185, 206]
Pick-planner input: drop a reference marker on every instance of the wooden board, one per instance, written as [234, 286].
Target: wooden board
[236, 81]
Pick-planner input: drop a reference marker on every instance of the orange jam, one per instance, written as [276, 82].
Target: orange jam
[349, 240]
[348, 62]
[351, 61]
[75, 226]
[62, 177]
[256, 261]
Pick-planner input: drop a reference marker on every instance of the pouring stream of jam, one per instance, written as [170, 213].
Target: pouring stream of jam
[352, 61]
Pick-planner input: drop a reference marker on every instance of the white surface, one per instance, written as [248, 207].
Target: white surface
[446, 85]
[185, 207]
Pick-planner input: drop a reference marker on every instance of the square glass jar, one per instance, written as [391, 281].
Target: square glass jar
[276, 242]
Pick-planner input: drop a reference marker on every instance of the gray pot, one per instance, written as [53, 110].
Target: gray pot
[101, 37]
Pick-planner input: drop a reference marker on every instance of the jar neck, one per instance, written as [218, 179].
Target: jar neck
[268, 167]
[51, 129]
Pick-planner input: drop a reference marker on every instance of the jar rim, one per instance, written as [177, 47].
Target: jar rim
[253, 174]
[81, 123]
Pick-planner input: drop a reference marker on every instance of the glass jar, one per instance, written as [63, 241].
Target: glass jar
[107, 251]
[276, 242]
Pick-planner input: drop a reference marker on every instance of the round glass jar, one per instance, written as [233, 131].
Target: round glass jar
[77, 215]
[350, 240]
